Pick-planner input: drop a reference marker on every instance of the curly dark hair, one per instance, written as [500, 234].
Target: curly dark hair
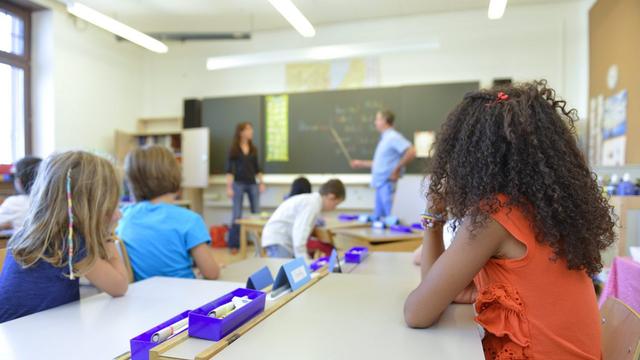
[523, 145]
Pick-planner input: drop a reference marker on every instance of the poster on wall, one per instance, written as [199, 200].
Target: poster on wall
[614, 129]
[423, 141]
[596, 106]
[277, 127]
[335, 74]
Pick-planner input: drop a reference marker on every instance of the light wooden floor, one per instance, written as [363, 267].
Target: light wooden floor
[223, 255]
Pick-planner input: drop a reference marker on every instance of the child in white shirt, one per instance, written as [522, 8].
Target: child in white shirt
[14, 208]
[288, 229]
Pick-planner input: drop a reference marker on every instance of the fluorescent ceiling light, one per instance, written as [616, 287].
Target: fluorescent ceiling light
[293, 15]
[100, 20]
[496, 9]
[316, 53]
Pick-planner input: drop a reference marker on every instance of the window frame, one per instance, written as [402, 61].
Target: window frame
[23, 62]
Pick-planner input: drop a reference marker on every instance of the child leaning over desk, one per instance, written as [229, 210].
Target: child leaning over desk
[286, 233]
[162, 239]
[66, 234]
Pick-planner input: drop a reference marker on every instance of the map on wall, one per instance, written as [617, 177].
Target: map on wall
[331, 75]
[277, 127]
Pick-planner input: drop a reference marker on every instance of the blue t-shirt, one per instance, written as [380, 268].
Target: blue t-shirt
[39, 287]
[389, 151]
[158, 238]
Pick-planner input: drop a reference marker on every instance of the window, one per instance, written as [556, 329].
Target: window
[14, 83]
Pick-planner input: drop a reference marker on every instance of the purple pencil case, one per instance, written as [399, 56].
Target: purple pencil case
[319, 263]
[347, 217]
[203, 326]
[356, 255]
[141, 344]
[401, 229]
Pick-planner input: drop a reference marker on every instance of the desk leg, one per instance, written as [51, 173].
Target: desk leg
[243, 242]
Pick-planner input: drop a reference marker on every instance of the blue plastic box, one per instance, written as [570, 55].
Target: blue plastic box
[141, 344]
[205, 327]
[356, 255]
[319, 263]
[401, 229]
[347, 217]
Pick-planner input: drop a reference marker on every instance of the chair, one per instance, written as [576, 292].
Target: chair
[122, 251]
[322, 243]
[3, 254]
[620, 331]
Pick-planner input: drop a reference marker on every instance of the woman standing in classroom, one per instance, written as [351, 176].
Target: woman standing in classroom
[243, 169]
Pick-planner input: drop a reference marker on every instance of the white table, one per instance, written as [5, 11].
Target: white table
[100, 327]
[389, 264]
[349, 316]
[241, 270]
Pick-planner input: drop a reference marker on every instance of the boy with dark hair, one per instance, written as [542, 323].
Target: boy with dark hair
[288, 229]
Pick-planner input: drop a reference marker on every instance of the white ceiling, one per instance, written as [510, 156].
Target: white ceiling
[256, 15]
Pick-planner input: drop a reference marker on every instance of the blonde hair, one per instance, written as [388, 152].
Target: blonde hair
[95, 191]
[152, 171]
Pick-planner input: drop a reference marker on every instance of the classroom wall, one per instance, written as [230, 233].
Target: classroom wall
[537, 41]
[86, 83]
[531, 42]
[93, 84]
[92, 71]
[614, 39]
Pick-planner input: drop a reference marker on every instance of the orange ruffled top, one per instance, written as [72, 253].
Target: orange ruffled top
[534, 307]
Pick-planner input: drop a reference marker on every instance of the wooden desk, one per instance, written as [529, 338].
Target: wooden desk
[398, 265]
[240, 271]
[348, 316]
[248, 225]
[100, 326]
[256, 224]
[382, 239]
[5, 235]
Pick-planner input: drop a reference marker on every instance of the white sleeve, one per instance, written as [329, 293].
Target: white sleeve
[8, 210]
[302, 226]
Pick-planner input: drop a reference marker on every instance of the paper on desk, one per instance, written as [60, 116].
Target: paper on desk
[635, 253]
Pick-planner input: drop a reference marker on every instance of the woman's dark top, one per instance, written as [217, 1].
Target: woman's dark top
[244, 167]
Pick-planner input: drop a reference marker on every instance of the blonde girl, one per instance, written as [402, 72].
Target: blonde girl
[66, 234]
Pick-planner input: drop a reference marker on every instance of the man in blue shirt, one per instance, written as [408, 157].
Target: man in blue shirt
[392, 154]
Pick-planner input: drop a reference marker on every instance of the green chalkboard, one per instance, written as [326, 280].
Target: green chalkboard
[320, 122]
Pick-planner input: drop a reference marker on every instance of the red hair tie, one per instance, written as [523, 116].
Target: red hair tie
[502, 96]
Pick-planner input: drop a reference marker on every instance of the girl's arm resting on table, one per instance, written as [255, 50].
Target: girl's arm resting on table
[448, 275]
[110, 275]
[205, 262]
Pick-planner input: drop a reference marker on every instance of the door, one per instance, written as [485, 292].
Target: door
[195, 157]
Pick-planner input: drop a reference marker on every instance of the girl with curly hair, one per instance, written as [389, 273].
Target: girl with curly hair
[531, 224]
